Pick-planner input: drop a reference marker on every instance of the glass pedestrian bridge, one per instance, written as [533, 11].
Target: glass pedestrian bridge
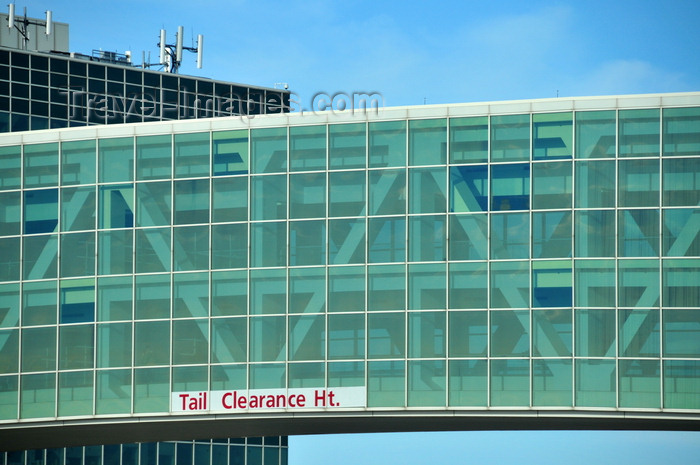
[521, 265]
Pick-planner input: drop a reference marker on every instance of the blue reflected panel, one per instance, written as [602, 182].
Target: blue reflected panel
[40, 211]
[469, 188]
[551, 283]
[77, 301]
[510, 187]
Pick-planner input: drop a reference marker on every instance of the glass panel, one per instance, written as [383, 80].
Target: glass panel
[551, 185]
[387, 287]
[510, 284]
[191, 248]
[681, 129]
[9, 305]
[268, 336]
[469, 188]
[300, 375]
[510, 331]
[681, 384]
[153, 250]
[347, 193]
[427, 142]
[639, 133]
[9, 386]
[78, 162]
[680, 280]
[40, 257]
[114, 297]
[387, 192]
[552, 382]
[11, 161]
[510, 138]
[468, 383]
[307, 148]
[510, 187]
[427, 238]
[77, 299]
[347, 145]
[595, 184]
[117, 206]
[268, 291]
[76, 347]
[551, 234]
[269, 150]
[468, 285]
[639, 333]
[307, 290]
[386, 333]
[190, 295]
[346, 336]
[468, 334]
[426, 285]
[229, 246]
[681, 182]
[552, 136]
[386, 384]
[41, 165]
[427, 188]
[387, 143]
[638, 233]
[510, 383]
[595, 333]
[229, 342]
[151, 343]
[116, 159]
[229, 377]
[191, 155]
[307, 243]
[426, 383]
[191, 379]
[268, 244]
[346, 289]
[638, 183]
[268, 376]
[552, 333]
[510, 235]
[192, 338]
[426, 334]
[346, 374]
[152, 297]
[40, 211]
[115, 249]
[81, 248]
[153, 157]
[387, 239]
[191, 201]
[268, 197]
[595, 383]
[307, 195]
[594, 233]
[638, 283]
[681, 232]
[230, 152]
[39, 303]
[10, 213]
[113, 392]
[346, 241]
[114, 345]
[9, 357]
[153, 203]
[151, 390]
[551, 283]
[595, 134]
[594, 283]
[467, 237]
[230, 199]
[229, 293]
[469, 140]
[39, 349]
[38, 396]
[10, 258]
[307, 337]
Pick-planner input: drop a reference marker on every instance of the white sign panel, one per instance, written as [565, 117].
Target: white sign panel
[258, 400]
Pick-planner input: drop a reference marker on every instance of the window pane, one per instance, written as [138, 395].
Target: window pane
[386, 333]
[307, 243]
[638, 283]
[347, 145]
[638, 233]
[595, 283]
[268, 337]
[595, 184]
[468, 383]
[229, 246]
[595, 134]
[552, 382]
[10, 159]
[681, 384]
[153, 157]
[116, 206]
[347, 193]
[510, 333]
[681, 129]
[510, 235]
[269, 150]
[552, 136]
[81, 248]
[151, 390]
[468, 334]
[229, 293]
[39, 303]
[552, 330]
[387, 239]
[268, 197]
[426, 284]
[638, 183]
[346, 336]
[510, 285]
[152, 297]
[307, 148]
[469, 188]
[151, 343]
[387, 287]
[469, 140]
[680, 280]
[10, 213]
[387, 144]
[41, 165]
[78, 162]
[468, 285]
[193, 341]
[268, 292]
[230, 152]
[551, 185]
[426, 334]
[594, 233]
[510, 138]
[387, 192]
[551, 234]
[38, 396]
[426, 383]
[268, 244]
[153, 203]
[510, 187]
[191, 155]
[346, 241]
[681, 182]
[595, 333]
[681, 232]
[190, 295]
[639, 333]
[510, 383]
[77, 299]
[639, 133]
[346, 289]
[307, 195]
[595, 383]
[467, 237]
[386, 384]
[116, 159]
[40, 257]
[115, 251]
[191, 248]
[230, 199]
[76, 347]
[153, 250]
[307, 290]
[229, 341]
[427, 238]
[40, 211]
[307, 337]
[428, 190]
[191, 201]
[427, 142]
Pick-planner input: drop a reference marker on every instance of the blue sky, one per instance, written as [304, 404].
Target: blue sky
[428, 52]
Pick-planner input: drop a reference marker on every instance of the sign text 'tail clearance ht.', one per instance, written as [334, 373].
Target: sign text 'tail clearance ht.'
[260, 400]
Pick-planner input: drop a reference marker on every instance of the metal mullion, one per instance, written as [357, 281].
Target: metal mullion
[661, 259]
[530, 255]
[405, 263]
[366, 263]
[448, 196]
[249, 179]
[287, 350]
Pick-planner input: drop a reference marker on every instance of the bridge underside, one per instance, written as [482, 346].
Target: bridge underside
[68, 433]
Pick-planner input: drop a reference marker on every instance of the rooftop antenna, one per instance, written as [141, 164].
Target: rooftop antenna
[22, 24]
[170, 57]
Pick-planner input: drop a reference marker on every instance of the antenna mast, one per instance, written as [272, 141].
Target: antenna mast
[171, 54]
